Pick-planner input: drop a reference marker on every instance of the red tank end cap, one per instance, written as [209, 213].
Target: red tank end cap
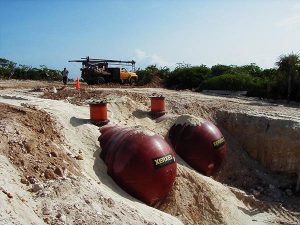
[201, 145]
[140, 162]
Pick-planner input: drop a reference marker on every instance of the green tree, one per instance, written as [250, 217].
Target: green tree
[288, 67]
[220, 69]
[186, 77]
[150, 72]
[251, 69]
[7, 68]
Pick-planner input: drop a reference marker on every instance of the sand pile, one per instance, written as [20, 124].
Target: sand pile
[31, 141]
[197, 199]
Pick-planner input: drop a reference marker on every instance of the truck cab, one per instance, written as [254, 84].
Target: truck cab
[125, 75]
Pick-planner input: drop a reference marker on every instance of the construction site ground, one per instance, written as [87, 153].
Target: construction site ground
[51, 173]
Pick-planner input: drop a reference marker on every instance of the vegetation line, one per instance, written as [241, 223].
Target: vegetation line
[281, 82]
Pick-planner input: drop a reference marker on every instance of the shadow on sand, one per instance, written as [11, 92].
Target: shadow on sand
[140, 114]
[78, 121]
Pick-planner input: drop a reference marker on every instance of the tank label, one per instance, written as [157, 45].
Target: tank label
[218, 143]
[163, 161]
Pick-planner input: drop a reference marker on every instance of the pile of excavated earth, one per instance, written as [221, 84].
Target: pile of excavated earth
[51, 172]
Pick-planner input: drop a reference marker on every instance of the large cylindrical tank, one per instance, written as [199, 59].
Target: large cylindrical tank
[199, 142]
[140, 162]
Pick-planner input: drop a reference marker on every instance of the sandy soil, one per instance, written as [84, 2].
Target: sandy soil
[80, 191]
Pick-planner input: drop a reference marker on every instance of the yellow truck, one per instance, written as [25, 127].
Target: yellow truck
[98, 71]
[126, 76]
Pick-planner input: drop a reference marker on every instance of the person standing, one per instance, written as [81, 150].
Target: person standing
[65, 74]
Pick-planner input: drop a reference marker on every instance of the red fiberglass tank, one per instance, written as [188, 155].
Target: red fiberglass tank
[140, 162]
[199, 142]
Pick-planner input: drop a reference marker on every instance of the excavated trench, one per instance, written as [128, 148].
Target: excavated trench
[269, 142]
[274, 143]
[264, 156]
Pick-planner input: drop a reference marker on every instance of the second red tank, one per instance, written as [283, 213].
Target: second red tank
[199, 142]
[140, 162]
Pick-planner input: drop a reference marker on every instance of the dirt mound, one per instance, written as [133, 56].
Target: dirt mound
[197, 199]
[46, 86]
[27, 84]
[190, 201]
[30, 140]
[74, 96]
[84, 96]
[155, 82]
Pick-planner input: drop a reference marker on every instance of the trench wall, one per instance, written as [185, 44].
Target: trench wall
[275, 143]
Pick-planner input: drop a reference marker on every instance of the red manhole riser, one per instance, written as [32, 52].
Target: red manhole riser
[98, 113]
[157, 106]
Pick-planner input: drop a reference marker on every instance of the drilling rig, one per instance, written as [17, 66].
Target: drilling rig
[99, 71]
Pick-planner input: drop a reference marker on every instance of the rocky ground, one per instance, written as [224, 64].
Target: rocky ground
[51, 171]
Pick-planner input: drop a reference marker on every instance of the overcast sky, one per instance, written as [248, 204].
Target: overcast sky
[162, 32]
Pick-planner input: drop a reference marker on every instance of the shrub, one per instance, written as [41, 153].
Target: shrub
[255, 86]
[251, 69]
[269, 73]
[144, 76]
[147, 75]
[219, 69]
[186, 77]
[259, 87]
[228, 82]
[8, 69]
